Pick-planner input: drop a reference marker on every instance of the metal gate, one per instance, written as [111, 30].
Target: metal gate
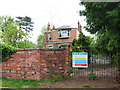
[99, 66]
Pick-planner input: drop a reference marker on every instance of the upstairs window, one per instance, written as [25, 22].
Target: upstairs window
[64, 34]
[49, 37]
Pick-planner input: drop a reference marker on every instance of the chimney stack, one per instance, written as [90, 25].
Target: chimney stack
[53, 27]
[48, 27]
[79, 27]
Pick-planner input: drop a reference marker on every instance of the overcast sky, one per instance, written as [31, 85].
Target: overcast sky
[56, 12]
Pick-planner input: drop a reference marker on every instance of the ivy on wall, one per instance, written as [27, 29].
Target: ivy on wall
[6, 51]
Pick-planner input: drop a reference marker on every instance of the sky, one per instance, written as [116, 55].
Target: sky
[42, 12]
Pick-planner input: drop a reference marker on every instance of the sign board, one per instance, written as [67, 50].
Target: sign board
[80, 59]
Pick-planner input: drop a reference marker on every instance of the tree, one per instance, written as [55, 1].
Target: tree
[25, 24]
[11, 35]
[82, 44]
[103, 19]
[40, 39]
[25, 44]
[7, 50]
[9, 32]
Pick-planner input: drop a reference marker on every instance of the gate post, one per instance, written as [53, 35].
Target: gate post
[67, 61]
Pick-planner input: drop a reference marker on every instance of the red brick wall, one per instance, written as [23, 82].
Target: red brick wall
[37, 64]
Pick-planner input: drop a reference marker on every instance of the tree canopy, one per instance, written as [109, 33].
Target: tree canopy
[25, 23]
[11, 35]
[40, 39]
[82, 44]
[9, 31]
[103, 19]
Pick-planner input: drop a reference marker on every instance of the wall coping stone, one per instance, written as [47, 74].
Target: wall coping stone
[53, 49]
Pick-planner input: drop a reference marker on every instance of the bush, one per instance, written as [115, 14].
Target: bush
[6, 51]
[92, 76]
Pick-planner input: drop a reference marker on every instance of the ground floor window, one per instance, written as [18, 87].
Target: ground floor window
[50, 46]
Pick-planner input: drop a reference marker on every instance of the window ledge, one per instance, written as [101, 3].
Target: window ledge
[63, 37]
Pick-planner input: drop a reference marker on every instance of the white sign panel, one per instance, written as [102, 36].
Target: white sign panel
[80, 59]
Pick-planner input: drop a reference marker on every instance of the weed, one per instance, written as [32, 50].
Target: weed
[74, 71]
[88, 86]
[96, 86]
[57, 78]
[54, 76]
[92, 76]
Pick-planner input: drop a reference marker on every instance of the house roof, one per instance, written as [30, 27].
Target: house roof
[65, 27]
[47, 32]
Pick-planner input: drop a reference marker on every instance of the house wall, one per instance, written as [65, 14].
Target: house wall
[37, 64]
[55, 45]
[73, 34]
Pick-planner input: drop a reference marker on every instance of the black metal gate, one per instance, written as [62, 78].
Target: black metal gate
[101, 67]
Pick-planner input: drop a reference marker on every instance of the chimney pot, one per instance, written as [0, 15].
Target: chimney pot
[48, 27]
[79, 27]
[53, 27]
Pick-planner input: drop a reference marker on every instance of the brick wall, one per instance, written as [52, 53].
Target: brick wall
[37, 64]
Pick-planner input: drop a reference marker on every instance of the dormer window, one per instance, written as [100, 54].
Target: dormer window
[64, 34]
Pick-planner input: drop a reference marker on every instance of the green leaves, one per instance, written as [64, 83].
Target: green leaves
[113, 13]
[103, 19]
[6, 51]
[11, 35]
[82, 44]
[40, 39]
[25, 44]
[99, 16]
[9, 32]
[25, 24]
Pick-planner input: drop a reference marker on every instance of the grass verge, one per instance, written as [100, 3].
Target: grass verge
[20, 83]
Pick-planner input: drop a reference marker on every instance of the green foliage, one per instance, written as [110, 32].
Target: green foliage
[82, 44]
[25, 44]
[25, 23]
[40, 39]
[97, 86]
[103, 19]
[19, 83]
[101, 16]
[74, 71]
[11, 35]
[6, 51]
[55, 78]
[88, 86]
[92, 76]
[9, 32]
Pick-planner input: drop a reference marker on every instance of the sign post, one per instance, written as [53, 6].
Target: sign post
[80, 59]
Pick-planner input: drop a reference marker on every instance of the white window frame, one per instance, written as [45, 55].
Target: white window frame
[50, 46]
[64, 34]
